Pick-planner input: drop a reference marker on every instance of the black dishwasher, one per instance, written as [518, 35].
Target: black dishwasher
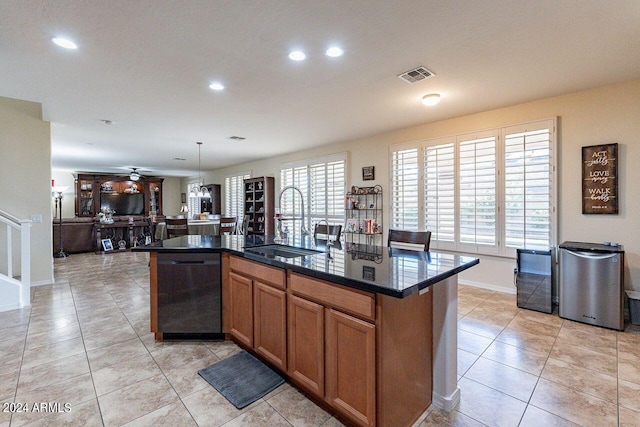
[190, 295]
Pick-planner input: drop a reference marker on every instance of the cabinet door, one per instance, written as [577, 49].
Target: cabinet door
[351, 369]
[306, 344]
[270, 324]
[241, 309]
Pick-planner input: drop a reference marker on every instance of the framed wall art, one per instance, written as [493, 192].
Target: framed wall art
[368, 173]
[600, 179]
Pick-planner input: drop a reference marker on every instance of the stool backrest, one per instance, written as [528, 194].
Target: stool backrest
[422, 238]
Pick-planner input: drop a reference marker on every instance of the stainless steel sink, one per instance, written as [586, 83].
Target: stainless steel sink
[281, 251]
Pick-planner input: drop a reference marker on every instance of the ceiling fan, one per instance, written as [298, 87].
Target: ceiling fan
[134, 175]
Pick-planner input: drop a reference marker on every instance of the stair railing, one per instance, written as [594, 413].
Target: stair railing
[23, 281]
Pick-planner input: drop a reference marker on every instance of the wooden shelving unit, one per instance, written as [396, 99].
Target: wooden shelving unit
[89, 187]
[259, 205]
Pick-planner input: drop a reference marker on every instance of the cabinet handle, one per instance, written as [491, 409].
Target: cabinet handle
[187, 262]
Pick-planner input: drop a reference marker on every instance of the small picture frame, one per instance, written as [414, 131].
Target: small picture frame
[183, 197]
[368, 173]
[107, 245]
[369, 273]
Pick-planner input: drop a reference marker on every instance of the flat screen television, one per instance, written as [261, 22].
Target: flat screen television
[124, 203]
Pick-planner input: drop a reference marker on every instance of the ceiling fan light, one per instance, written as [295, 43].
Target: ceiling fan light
[134, 176]
[431, 99]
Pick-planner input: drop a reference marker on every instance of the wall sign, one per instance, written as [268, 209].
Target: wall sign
[600, 179]
[368, 173]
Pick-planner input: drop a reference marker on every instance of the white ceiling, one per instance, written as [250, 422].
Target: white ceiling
[146, 66]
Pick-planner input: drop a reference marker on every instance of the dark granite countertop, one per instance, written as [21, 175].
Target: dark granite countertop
[390, 271]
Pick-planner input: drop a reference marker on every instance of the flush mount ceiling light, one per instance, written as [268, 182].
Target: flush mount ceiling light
[431, 99]
[65, 43]
[334, 52]
[297, 55]
[216, 86]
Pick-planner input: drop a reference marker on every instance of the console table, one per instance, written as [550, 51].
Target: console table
[131, 233]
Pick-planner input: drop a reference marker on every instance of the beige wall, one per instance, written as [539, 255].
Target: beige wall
[25, 177]
[598, 116]
[171, 196]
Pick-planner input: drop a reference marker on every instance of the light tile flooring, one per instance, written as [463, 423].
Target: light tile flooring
[85, 342]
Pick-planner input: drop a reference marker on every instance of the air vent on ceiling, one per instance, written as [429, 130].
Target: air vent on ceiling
[415, 75]
[237, 138]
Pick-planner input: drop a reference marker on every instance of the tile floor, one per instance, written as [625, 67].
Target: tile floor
[85, 342]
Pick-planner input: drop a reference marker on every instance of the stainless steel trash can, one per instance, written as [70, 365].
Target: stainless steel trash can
[591, 285]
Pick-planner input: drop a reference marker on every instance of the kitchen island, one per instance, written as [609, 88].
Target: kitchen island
[368, 331]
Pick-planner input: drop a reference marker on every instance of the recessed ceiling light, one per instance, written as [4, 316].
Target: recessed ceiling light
[334, 52]
[216, 86]
[179, 158]
[297, 55]
[107, 121]
[431, 99]
[237, 138]
[65, 43]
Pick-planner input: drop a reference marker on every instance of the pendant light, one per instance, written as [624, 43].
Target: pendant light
[199, 190]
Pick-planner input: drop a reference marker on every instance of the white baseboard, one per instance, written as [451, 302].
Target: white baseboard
[11, 307]
[446, 403]
[487, 286]
[41, 283]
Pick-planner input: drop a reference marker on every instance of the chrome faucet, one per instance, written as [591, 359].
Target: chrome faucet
[303, 228]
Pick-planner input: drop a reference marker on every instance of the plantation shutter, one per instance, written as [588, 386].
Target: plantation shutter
[327, 184]
[439, 191]
[477, 193]
[234, 195]
[404, 189]
[528, 188]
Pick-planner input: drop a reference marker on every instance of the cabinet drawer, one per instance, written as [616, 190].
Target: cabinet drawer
[351, 301]
[271, 275]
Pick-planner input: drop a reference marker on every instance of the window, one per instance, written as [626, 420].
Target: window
[477, 191]
[322, 182]
[528, 187]
[490, 192]
[193, 203]
[234, 195]
[439, 191]
[404, 189]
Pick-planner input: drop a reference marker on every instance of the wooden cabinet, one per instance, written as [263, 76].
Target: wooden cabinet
[368, 356]
[153, 193]
[241, 309]
[332, 354]
[259, 205]
[351, 366]
[212, 205]
[269, 323]
[92, 189]
[258, 309]
[306, 344]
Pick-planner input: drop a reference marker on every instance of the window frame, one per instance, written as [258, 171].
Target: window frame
[228, 198]
[500, 134]
[308, 164]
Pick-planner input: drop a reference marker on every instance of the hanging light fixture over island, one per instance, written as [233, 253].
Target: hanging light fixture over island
[199, 190]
